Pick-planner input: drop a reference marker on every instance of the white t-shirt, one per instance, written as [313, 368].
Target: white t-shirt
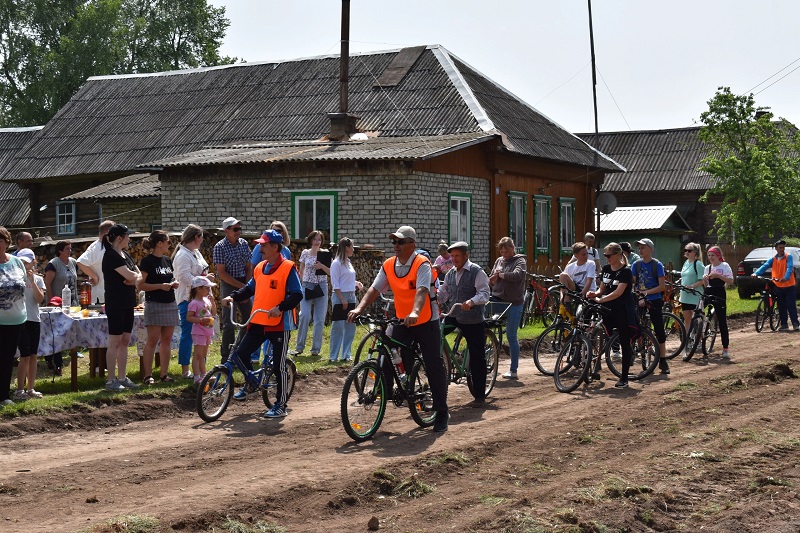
[31, 305]
[579, 274]
[724, 269]
[93, 257]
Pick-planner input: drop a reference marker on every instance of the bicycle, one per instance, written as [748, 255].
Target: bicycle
[371, 337]
[215, 391]
[703, 329]
[549, 343]
[674, 328]
[767, 306]
[538, 302]
[456, 358]
[367, 389]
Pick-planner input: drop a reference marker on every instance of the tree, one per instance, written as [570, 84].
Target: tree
[49, 47]
[754, 160]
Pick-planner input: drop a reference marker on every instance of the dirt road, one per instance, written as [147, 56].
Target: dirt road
[714, 446]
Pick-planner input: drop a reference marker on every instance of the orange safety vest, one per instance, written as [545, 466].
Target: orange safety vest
[405, 290]
[270, 291]
[779, 271]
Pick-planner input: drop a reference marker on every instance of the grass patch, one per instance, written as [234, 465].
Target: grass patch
[586, 438]
[685, 386]
[766, 481]
[566, 514]
[234, 526]
[492, 500]
[670, 425]
[455, 458]
[737, 306]
[133, 524]
[704, 456]
[413, 487]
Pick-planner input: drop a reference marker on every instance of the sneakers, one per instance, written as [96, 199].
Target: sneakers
[20, 395]
[241, 394]
[114, 386]
[7, 402]
[276, 411]
[187, 375]
[784, 328]
[510, 375]
[294, 352]
[33, 393]
[685, 355]
[148, 380]
[621, 384]
[442, 418]
[127, 383]
[663, 366]
[796, 327]
[314, 354]
[725, 354]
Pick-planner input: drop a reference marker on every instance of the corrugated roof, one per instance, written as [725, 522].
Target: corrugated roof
[655, 160]
[133, 186]
[644, 218]
[115, 123]
[14, 204]
[377, 148]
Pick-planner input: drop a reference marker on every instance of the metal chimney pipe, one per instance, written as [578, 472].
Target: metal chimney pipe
[344, 60]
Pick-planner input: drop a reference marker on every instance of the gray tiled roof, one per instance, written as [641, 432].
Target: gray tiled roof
[133, 186]
[644, 218]
[115, 123]
[655, 160]
[14, 204]
[378, 148]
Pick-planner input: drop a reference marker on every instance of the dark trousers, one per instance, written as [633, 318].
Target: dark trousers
[721, 311]
[429, 339]
[474, 335]
[9, 340]
[624, 321]
[253, 338]
[787, 304]
[657, 318]
[245, 307]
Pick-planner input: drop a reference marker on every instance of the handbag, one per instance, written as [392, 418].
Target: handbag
[314, 292]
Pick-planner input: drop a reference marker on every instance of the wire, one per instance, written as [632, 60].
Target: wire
[615, 101]
[560, 86]
[776, 81]
[108, 217]
[766, 80]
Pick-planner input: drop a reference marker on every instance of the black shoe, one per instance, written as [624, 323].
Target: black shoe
[478, 402]
[442, 417]
[58, 371]
[595, 376]
[664, 369]
[621, 384]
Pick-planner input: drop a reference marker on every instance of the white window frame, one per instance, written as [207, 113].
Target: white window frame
[518, 219]
[542, 240]
[66, 221]
[566, 224]
[322, 195]
[454, 230]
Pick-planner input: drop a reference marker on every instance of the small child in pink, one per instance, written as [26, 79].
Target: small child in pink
[200, 313]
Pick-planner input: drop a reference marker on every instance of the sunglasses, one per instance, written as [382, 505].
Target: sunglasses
[235, 229]
[610, 255]
[688, 250]
[401, 242]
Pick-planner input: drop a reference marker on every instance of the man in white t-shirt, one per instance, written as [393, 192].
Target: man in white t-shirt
[580, 274]
[594, 255]
[91, 263]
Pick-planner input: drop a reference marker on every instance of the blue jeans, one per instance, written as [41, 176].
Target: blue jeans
[514, 315]
[320, 309]
[342, 331]
[185, 346]
[787, 304]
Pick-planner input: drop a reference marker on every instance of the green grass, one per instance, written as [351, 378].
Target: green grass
[737, 306]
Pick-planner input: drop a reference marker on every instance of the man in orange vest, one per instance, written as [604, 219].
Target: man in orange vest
[783, 276]
[275, 288]
[409, 275]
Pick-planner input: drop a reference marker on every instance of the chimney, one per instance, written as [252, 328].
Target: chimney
[343, 124]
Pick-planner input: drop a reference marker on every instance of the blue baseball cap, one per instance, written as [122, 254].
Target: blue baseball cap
[270, 235]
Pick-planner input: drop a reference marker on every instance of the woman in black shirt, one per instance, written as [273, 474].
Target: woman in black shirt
[615, 294]
[121, 276]
[160, 309]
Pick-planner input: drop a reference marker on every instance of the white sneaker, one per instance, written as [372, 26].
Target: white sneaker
[32, 393]
[725, 354]
[294, 352]
[20, 395]
[7, 402]
[510, 375]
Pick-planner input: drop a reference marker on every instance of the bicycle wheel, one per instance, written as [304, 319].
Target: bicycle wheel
[547, 347]
[269, 390]
[676, 334]
[366, 348]
[693, 336]
[644, 351]
[364, 398]
[421, 398]
[572, 365]
[773, 315]
[492, 357]
[552, 302]
[214, 393]
[761, 314]
[527, 305]
[710, 334]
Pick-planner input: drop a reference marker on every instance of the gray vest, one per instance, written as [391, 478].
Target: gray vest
[463, 292]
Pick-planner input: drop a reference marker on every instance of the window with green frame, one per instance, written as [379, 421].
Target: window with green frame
[541, 220]
[517, 211]
[460, 221]
[566, 224]
[314, 210]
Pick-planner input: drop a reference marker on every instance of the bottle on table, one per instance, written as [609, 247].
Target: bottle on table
[66, 299]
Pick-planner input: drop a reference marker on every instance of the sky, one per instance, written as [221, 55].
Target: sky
[658, 63]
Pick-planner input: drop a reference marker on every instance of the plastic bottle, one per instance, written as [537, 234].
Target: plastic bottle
[66, 299]
[397, 361]
[86, 293]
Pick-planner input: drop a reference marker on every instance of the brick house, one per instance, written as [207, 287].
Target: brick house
[429, 141]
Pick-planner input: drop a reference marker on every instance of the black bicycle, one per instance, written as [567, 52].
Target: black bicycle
[367, 389]
[702, 331]
[767, 306]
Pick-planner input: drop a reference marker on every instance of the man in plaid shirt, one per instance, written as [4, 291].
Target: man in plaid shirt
[231, 257]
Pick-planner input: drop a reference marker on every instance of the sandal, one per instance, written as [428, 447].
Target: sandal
[166, 379]
[148, 380]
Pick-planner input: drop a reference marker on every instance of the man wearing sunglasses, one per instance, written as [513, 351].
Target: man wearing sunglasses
[231, 257]
[409, 275]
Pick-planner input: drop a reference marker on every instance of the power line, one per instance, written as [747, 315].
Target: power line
[615, 100]
[776, 81]
[766, 80]
[560, 86]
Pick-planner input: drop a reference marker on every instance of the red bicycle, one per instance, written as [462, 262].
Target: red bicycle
[540, 301]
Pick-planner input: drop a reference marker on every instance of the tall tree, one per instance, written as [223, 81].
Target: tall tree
[754, 159]
[49, 47]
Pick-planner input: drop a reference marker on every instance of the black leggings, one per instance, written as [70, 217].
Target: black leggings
[721, 310]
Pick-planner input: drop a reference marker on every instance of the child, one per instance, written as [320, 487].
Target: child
[29, 340]
[200, 313]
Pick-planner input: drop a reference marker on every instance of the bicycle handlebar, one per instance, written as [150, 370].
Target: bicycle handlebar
[452, 308]
[230, 304]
